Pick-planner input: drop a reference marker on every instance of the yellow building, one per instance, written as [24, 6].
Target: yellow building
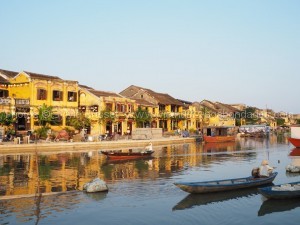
[6, 103]
[166, 111]
[31, 90]
[109, 112]
[215, 114]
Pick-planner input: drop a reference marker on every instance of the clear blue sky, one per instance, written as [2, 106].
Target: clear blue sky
[229, 51]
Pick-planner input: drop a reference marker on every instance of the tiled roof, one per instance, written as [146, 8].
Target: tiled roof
[104, 93]
[161, 98]
[42, 76]
[8, 73]
[226, 107]
[143, 102]
[85, 87]
[3, 80]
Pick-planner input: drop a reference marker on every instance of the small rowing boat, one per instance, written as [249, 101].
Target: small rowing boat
[289, 190]
[122, 155]
[225, 185]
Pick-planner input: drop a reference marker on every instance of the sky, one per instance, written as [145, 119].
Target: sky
[239, 51]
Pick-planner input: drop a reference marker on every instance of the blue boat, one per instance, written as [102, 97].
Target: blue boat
[282, 191]
[224, 185]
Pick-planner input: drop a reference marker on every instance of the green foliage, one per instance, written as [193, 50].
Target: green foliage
[6, 119]
[249, 114]
[80, 121]
[280, 121]
[45, 115]
[107, 116]
[42, 132]
[142, 117]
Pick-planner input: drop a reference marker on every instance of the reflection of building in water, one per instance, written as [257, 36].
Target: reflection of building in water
[69, 171]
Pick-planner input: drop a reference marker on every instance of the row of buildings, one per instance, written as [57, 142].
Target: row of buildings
[22, 93]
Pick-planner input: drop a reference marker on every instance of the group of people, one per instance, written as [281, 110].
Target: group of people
[263, 171]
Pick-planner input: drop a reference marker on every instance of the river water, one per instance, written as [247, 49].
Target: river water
[142, 191]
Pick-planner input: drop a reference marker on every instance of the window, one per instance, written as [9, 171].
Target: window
[57, 95]
[3, 93]
[162, 107]
[130, 108]
[72, 96]
[41, 94]
[109, 106]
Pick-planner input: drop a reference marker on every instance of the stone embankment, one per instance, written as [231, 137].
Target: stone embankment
[101, 145]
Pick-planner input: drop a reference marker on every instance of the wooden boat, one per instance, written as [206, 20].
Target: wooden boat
[224, 185]
[218, 134]
[122, 155]
[295, 136]
[295, 142]
[215, 139]
[289, 190]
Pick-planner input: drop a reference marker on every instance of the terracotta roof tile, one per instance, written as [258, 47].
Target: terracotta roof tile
[42, 76]
[8, 73]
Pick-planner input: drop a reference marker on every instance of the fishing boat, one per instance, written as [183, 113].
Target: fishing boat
[215, 134]
[225, 185]
[122, 155]
[289, 190]
[295, 136]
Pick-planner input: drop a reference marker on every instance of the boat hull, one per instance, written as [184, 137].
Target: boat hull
[224, 185]
[269, 192]
[218, 139]
[127, 155]
[295, 142]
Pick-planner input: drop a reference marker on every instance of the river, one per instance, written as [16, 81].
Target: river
[143, 191]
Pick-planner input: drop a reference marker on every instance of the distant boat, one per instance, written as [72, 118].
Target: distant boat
[214, 134]
[295, 136]
[283, 191]
[224, 185]
[122, 155]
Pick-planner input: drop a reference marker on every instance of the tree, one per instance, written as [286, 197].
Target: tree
[280, 121]
[80, 121]
[45, 115]
[249, 115]
[142, 116]
[6, 119]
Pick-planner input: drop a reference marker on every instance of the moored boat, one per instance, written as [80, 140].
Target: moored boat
[225, 185]
[289, 190]
[122, 155]
[295, 136]
[218, 134]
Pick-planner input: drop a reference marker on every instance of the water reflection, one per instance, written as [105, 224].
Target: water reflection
[39, 207]
[276, 205]
[26, 173]
[193, 200]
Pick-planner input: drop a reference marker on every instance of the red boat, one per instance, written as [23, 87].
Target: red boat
[295, 142]
[215, 134]
[295, 152]
[295, 136]
[120, 155]
[216, 139]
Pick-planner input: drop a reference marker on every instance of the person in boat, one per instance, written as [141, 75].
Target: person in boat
[149, 147]
[265, 170]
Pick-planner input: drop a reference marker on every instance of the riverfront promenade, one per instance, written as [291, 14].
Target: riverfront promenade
[100, 145]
